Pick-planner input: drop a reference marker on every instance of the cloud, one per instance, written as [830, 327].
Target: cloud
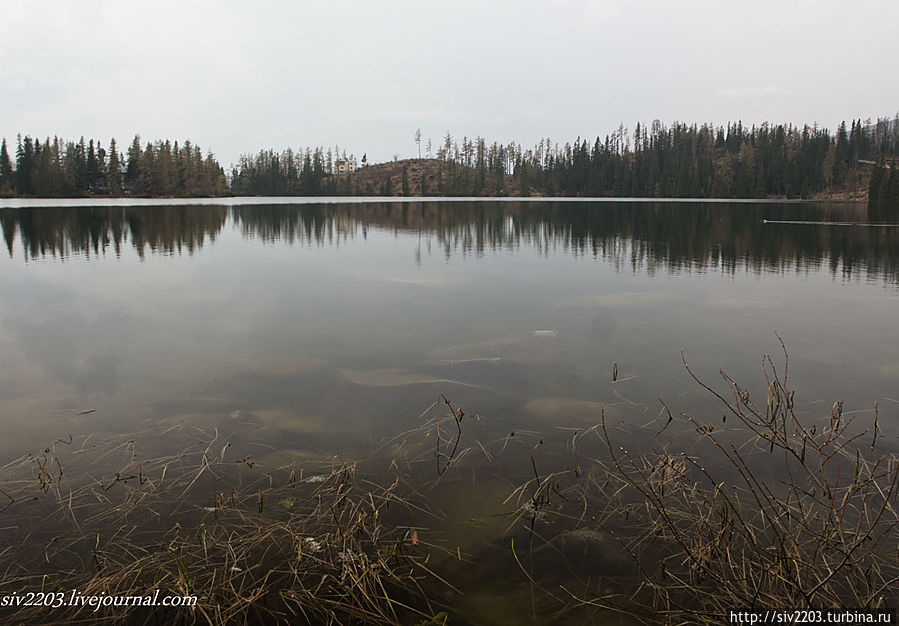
[237, 77]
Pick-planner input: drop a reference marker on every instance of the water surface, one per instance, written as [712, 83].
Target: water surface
[337, 323]
[301, 331]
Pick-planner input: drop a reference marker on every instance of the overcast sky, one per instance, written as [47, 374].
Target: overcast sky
[235, 77]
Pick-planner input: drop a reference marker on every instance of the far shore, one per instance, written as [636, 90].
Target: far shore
[126, 201]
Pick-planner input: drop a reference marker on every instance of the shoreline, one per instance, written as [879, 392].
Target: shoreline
[105, 201]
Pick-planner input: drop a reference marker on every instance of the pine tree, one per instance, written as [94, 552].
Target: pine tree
[46, 179]
[93, 168]
[79, 168]
[132, 170]
[6, 180]
[25, 166]
[148, 181]
[114, 171]
[841, 162]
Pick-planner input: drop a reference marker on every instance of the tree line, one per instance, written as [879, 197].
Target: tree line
[680, 160]
[59, 168]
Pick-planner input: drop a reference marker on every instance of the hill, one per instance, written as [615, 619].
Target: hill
[429, 177]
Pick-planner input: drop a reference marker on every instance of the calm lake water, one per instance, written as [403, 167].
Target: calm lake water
[338, 323]
[307, 329]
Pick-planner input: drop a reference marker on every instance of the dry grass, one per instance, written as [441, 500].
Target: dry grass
[770, 511]
[767, 510]
[275, 545]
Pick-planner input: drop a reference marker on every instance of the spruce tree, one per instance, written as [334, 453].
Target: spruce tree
[132, 170]
[25, 166]
[6, 181]
[114, 170]
[93, 167]
[78, 167]
[841, 163]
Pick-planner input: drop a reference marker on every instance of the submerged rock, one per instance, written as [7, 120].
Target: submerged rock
[570, 411]
[596, 550]
[395, 378]
[528, 348]
[241, 417]
[239, 424]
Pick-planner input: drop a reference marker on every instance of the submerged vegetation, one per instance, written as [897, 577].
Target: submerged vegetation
[681, 160]
[764, 508]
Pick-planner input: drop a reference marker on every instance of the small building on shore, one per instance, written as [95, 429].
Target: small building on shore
[345, 166]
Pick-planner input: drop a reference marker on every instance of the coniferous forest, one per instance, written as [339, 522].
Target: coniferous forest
[699, 161]
[56, 168]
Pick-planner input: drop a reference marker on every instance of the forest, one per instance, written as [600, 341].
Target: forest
[677, 161]
[61, 169]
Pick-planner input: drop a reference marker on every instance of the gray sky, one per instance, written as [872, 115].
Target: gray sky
[239, 76]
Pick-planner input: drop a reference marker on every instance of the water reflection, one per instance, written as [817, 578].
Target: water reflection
[64, 232]
[653, 236]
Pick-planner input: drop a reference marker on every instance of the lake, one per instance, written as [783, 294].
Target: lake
[315, 328]
[339, 323]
